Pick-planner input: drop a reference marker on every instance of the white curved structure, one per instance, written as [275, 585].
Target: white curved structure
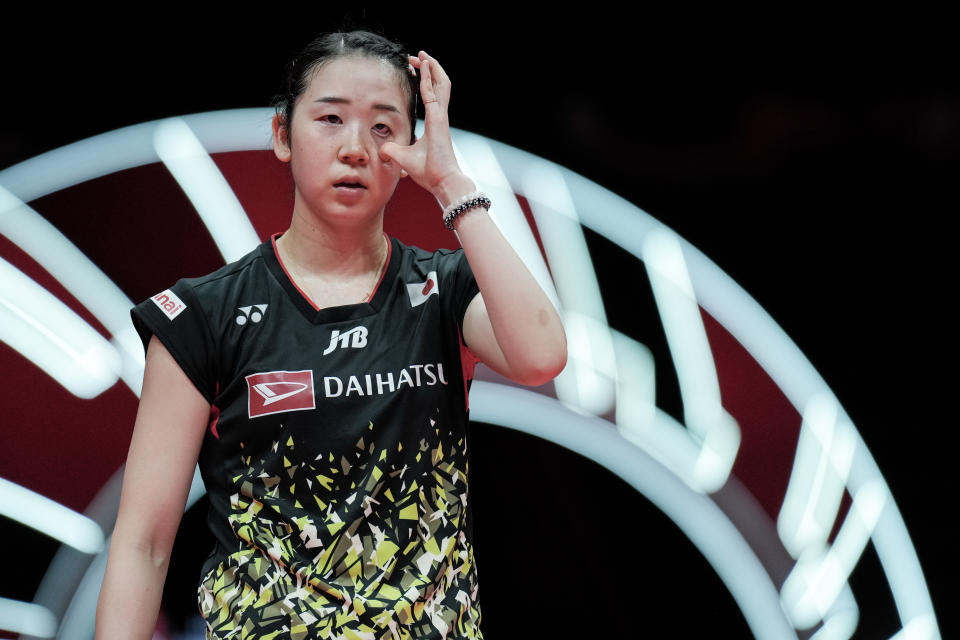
[604, 407]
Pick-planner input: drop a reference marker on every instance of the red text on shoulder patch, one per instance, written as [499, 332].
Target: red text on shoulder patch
[169, 303]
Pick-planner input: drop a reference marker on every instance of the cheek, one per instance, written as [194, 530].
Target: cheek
[307, 152]
[306, 168]
[389, 171]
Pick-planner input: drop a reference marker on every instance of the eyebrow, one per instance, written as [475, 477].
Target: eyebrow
[337, 100]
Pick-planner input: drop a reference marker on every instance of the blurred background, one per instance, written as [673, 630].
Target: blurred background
[811, 155]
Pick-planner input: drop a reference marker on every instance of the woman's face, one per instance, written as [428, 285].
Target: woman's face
[351, 107]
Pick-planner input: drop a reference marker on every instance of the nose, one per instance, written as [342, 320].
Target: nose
[353, 151]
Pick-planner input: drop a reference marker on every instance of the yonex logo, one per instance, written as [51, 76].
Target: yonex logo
[356, 338]
[253, 313]
[420, 291]
[279, 391]
[169, 303]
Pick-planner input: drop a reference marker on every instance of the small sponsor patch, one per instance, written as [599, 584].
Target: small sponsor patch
[356, 338]
[420, 291]
[169, 303]
[279, 391]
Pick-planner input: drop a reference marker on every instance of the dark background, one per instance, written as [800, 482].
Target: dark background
[811, 155]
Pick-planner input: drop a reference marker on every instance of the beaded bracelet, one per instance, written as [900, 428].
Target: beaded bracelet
[464, 204]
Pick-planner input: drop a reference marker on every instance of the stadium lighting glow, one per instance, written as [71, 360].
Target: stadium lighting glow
[207, 189]
[838, 626]
[27, 618]
[812, 587]
[919, 628]
[636, 384]
[693, 456]
[825, 450]
[480, 163]
[589, 381]
[698, 516]
[717, 432]
[52, 336]
[84, 280]
[50, 517]
[627, 226]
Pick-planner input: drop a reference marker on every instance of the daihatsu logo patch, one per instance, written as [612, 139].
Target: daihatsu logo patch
[279, 391]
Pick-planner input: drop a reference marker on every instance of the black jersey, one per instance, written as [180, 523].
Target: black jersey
[336, 459]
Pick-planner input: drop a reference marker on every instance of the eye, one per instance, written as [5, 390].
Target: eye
[330, 119]
[382, 129]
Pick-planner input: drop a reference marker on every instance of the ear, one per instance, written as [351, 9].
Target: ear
[281, 141]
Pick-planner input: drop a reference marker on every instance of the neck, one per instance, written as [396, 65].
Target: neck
[319, 248]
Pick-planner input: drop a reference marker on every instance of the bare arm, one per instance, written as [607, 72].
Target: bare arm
[166, 441]
[511, 326]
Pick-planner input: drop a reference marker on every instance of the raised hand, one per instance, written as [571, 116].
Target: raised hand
[430, 161]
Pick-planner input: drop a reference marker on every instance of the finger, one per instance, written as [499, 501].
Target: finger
[427, 90]
[403, 156]
[388, 151]
[439, 75]
[438, 80]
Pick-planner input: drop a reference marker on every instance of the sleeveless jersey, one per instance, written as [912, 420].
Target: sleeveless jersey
[336, 460]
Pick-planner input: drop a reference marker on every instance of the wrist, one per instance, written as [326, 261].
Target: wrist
[453, 188]
[454, 210]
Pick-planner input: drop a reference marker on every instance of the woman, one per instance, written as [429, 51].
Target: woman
[321, 381]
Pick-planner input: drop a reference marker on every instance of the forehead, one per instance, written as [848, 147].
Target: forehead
[359, 78]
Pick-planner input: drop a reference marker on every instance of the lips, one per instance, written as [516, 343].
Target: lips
[349, 184]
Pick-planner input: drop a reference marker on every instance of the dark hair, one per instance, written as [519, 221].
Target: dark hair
[331, 46]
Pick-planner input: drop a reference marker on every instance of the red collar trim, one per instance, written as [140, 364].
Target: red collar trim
[383, 272]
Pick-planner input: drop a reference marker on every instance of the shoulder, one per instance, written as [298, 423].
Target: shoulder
[189, 316]
[415, 260]
[203, 292]
[443, 272]
[226, 275]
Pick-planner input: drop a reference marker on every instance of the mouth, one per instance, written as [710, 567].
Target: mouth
[349, 184]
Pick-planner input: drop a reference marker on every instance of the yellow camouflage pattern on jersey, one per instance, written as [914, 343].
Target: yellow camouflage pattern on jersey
[388, 557]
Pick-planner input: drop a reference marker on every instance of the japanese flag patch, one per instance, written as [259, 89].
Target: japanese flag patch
[420, 291]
